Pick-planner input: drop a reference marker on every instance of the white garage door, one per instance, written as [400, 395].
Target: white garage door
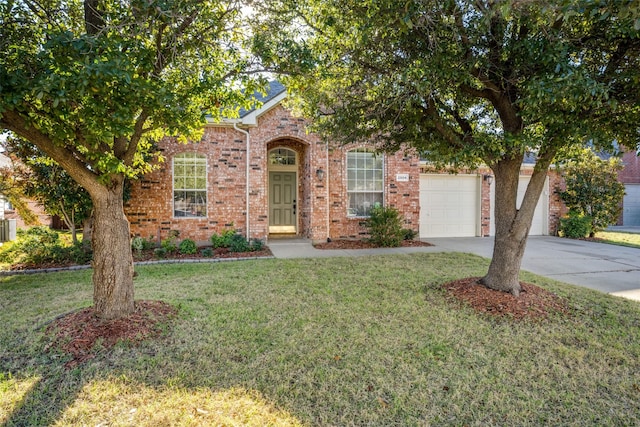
[449, 205]
[631, 210]
[540, 222]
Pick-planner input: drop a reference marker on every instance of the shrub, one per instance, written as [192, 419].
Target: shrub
[40, 245]
[409, 234]
[575, 225]
[169, 244]
[137, 244]
[385, 227]
[160, 253]
[222, 240]
[256, 245]
[187, 247]
[239, 244]
[207, 252]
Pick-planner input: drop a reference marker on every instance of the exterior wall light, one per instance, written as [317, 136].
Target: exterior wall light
[488, 178]
[320, 174]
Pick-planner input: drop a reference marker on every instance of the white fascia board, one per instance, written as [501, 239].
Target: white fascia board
[251, 119]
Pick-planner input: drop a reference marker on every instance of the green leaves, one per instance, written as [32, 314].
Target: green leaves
[593, 189]
[153, 67]
[454, 79]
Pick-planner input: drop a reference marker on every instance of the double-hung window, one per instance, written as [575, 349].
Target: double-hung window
[190, 185]
[364, 181]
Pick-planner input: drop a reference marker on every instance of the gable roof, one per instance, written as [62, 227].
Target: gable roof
[276, 92]
[275, 88]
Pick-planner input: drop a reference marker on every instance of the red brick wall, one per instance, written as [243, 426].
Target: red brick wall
[631, 172]
[150, 209]
[322, 204]
[403, 195]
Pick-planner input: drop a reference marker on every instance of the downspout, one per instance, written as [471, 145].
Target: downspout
[328, 214]
[246, 134]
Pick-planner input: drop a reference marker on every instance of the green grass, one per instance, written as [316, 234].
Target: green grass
[338, 341]
[618, 238]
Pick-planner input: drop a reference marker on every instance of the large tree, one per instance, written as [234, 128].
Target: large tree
[466, 83]
[93, 83]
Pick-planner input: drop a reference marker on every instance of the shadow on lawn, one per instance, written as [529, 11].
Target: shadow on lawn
[46, 400]
[39, 376]
[119, 387]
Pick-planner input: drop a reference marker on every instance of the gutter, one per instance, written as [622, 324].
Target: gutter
[246, 134]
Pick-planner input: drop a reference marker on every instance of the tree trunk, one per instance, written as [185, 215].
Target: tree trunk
[87, 231]
[112, 257]
[512, 224]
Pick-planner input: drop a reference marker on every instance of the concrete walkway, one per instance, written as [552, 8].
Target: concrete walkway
[607, 268]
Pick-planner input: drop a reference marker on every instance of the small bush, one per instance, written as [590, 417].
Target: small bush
[409, 234]
[256, 245]
[169, 244]
[239, 244]
[187, 247]
[160, 253]
[223, 240]
[207, 252]
[575, 226]
[385, 227]
[137, 244]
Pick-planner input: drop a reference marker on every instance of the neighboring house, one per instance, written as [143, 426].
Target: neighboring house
[294, 183]
[630, 177]
[8, 212]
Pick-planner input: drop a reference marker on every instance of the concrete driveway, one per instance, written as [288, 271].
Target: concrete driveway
[607, 268]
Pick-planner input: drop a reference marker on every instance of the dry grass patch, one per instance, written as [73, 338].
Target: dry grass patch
[116, 403]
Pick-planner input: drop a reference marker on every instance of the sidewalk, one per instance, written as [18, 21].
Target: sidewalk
[606, 268]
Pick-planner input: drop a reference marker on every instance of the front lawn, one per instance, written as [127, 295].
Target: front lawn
[332, 341]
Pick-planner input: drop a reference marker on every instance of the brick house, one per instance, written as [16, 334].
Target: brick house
[294, 183]
[630, 177]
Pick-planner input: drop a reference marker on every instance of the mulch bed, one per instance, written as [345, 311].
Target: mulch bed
[77, 333]
[363, 244]
[533, 302]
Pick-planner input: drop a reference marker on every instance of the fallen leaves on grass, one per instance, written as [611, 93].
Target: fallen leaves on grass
[533, 302]
[82, 332]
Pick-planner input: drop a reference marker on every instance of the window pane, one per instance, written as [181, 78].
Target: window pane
[189, 185]
[364, 182]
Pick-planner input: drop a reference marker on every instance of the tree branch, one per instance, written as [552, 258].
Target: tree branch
[77, 170]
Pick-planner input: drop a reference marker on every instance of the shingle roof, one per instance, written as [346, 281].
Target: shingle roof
[275, 89]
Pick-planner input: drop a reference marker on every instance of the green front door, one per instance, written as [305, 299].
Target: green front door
[282, 202]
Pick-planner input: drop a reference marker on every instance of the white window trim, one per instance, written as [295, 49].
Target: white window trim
[383, 179]
[206, 188]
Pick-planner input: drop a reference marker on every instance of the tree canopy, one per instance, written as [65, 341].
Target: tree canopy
[466, 82]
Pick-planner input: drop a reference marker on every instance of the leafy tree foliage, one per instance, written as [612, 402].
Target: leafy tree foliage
[12, 189]
[465, 82]
[593, 189]
[45, 181]
[94, 83]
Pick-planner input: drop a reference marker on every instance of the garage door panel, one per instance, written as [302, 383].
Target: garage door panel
[631, 205]
[539, 223]
[448, 205]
